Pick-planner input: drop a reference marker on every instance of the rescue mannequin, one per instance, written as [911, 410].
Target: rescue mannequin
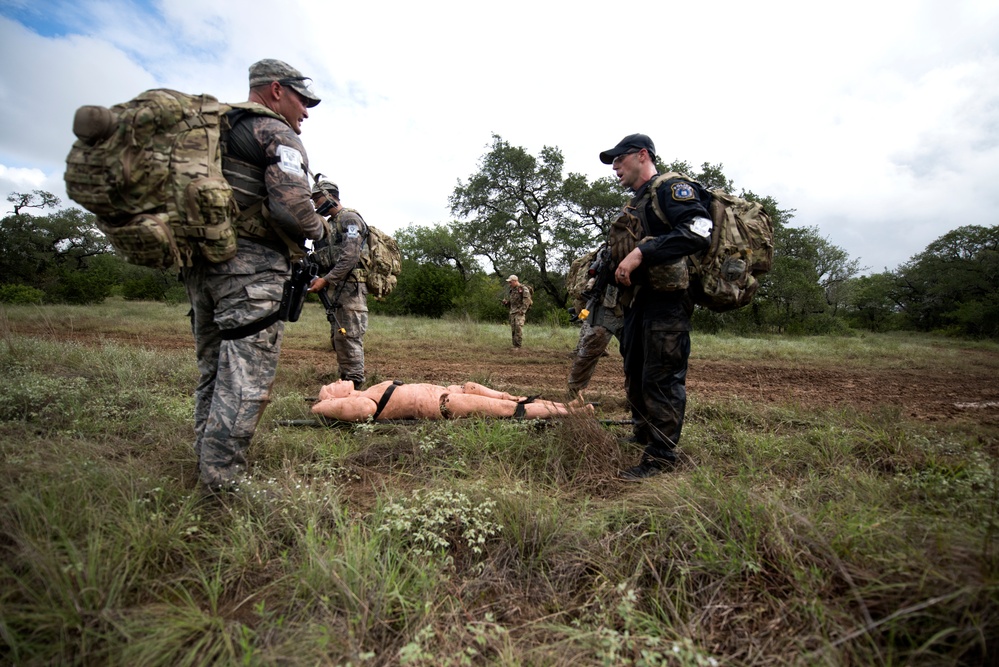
[341, 401]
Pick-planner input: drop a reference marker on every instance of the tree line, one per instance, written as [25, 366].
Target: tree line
[520, 213]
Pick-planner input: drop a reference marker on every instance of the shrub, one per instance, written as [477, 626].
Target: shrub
[429, 290]
[482, 299]
[21, 294]
[146, 288]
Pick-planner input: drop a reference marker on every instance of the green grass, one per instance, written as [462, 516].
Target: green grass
[788, 537]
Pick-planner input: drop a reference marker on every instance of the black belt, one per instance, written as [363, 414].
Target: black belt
[385, 398]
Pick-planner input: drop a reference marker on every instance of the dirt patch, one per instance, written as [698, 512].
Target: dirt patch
[926, 394]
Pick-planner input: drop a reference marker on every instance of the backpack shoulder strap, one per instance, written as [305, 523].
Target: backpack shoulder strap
[654, 191]
[239, 110]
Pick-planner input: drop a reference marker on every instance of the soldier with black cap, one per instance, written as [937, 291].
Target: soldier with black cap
[235, 304]
[340, 256]
[655, 341]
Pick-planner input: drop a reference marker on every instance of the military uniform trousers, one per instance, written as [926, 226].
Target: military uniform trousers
[236, 375]
[594, 337]
[655, 344]
[352, 316]
[517, 320]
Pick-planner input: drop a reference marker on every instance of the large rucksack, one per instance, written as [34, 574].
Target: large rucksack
[381, 260]
[726, 275]
[150, 169]
[384, 263]
[578, 278]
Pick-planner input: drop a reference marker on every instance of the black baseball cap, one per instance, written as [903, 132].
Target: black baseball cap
[630, 144]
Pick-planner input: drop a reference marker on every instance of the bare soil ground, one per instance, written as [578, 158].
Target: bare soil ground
[918, 393]
[970, 393]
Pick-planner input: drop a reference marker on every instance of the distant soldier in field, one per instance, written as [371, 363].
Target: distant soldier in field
[519, 301]
[344, 280]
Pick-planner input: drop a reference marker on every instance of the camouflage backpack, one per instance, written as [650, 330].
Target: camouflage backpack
[726, 275]
[384, 263]
[380, 263]
[150, 169]
[578, 278]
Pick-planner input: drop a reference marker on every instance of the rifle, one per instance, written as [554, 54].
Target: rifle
[600, 272]
[331, 310]
[331, 307]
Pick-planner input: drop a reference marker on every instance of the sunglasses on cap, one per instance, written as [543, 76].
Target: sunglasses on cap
[297, 79]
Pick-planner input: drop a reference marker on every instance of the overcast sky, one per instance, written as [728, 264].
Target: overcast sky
[877, 121]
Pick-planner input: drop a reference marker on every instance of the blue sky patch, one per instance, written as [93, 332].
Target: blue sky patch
[57, 18]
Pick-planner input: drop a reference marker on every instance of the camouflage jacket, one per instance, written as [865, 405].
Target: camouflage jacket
[342, 254]
[266, 162]
[519, 299]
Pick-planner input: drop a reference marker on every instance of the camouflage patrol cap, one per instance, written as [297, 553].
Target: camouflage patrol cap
[513, 279]
[327, 186]
[267, 70]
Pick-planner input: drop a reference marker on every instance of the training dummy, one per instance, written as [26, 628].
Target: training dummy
[341, 401]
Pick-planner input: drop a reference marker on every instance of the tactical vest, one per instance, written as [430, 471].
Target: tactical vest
[328, 253]
[248, 185]
[631, 229]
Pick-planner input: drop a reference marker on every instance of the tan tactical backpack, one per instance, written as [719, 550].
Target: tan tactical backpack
[578, 278]
[726, 275]
[380, 262]
[384, 263]
[150, 169]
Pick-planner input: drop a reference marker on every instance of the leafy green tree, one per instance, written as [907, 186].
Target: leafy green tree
[710, 175]
[39, 199]
[873, 302]
[428, 290]
[437, 245]
[520, 215]
[65, 255]
[954, 283]
[809, 281]
[593, 207]
[482, 299]
[43, 251]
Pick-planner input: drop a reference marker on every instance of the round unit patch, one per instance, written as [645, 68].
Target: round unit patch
[682, 191]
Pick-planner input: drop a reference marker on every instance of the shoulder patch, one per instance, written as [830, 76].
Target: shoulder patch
[290, 160]
[701, 227]
[682, 191]
[353, 231]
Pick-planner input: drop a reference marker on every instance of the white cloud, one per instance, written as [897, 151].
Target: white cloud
[875, 121]
[19, 179]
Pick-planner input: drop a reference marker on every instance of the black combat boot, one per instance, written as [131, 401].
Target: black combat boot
[648, 467]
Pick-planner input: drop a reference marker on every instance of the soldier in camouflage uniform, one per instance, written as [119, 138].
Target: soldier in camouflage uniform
[235, 304]
[519, 301]
[655, 341]
[588, 283]
[344, 281]
[594, 337]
